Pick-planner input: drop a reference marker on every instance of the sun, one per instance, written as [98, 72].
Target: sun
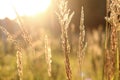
[23, 7]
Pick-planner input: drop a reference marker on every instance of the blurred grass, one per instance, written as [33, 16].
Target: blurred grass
[35, 67]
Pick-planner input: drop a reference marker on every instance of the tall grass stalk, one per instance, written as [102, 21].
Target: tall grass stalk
[19, 63]
[82, 43]
[48, 55]
[106, 55]
[113, 20]
[18, 51]
[24, 34]
[64, 20]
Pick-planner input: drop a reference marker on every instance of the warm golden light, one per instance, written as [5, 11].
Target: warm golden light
[23, 7]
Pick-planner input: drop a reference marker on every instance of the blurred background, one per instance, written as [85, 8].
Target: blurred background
[46, 23]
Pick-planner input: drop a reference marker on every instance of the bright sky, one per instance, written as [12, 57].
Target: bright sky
[23, 7]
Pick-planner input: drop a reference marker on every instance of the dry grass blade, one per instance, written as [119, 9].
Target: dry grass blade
[18, 53]
[64, 20]
[19, 62]
[82, 44]
[24, 34]
[48, 55]
[9, 36]
[113, 20]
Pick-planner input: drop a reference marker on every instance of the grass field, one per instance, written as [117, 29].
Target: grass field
[36, 54]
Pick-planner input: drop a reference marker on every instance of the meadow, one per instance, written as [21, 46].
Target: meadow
[30, 52]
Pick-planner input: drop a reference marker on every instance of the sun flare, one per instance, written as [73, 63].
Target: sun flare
[23, 7]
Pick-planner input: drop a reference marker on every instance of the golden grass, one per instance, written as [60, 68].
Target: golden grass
[112, 25]
[82, 44]
[19, 63]
[18, 51]
[112, 52]
[48, 55]
[64, 20]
